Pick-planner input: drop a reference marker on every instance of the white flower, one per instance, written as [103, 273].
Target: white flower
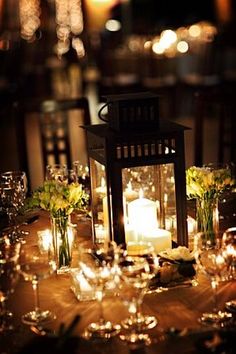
[179, 253]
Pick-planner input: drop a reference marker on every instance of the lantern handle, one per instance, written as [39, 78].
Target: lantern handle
[100, 112]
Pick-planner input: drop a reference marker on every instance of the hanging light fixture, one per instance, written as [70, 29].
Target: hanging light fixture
[69, 23]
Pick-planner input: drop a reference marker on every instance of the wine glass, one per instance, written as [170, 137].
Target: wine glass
[226, 200]
[210, 259]
[9, 275]
[145, 250]
[13, 188]
[137, 271]
[99, 266]
[57, 172]
[228, 245]
[82, 175]
[36, 263]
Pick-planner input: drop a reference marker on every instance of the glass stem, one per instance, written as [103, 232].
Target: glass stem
[99, 295]
[214, 285]
[139, 305]
[36, 295]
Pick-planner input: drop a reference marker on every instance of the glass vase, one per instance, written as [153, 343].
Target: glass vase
[62, 241]
[207, 215]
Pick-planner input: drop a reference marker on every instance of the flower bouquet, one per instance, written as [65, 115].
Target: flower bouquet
[60, 199]
[206, 185]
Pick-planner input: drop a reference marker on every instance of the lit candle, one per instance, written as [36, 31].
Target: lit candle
[192, 225]
[130, 234]
[159, 238]
[83, 283]
[130, 193]
[142, 214]
[81, 287]
[102, 188]
[139, 248]
[45, 239]
[105, 214]
[101, 233]
[219, 260]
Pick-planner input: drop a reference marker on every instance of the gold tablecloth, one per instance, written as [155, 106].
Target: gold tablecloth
[177, 307]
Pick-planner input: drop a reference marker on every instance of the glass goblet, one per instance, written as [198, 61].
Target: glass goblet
[13, 188]
[145, 250]
[81, 171]
[100, 269]
[210, 259]
[9, 275]
[57, 172]
[36, 263]
[228, 245]
[136, 276]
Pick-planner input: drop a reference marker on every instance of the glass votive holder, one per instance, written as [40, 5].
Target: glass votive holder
[80, 286]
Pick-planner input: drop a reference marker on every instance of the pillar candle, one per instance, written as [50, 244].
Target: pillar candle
[142, 215]
[159, 238]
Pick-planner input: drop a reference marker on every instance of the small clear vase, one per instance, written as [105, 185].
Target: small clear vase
[207, 215]
[62, 241]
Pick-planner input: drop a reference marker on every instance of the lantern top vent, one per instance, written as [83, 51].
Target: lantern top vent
[133, 111]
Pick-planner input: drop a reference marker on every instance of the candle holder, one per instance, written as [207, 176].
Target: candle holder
[137, 173]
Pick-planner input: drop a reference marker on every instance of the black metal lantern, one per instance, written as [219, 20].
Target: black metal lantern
[137, 172]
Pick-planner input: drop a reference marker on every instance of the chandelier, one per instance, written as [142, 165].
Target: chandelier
[69, 23]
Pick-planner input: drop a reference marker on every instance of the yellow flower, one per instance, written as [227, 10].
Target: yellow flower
[204, 182]
[57, 197]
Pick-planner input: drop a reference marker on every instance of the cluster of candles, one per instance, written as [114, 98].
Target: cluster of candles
[140, 218]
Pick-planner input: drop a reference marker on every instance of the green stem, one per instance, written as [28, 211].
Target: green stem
[62, 244]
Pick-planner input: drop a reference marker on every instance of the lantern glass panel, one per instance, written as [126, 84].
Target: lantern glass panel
[99, 201]
[150, 201]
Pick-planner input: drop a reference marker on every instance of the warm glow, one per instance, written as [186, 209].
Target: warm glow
[224, 10]
[158, 48]
[147, 45]
[101, 1]
[141, 193]
[113, 25]
[98, 13]
[182, 47]
[168, 37]
[69, 23]
[194, 31]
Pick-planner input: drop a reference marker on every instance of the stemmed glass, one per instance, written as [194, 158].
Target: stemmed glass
[9, 275]
[82, 176]
[36, 263]
[137, 268]
[210, 259]
[13, 188]
[82, 173]
[228, 245]
[99, 266]
[58, 172]
[144, 250]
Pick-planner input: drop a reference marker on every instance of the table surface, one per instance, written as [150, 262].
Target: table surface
[179, 307]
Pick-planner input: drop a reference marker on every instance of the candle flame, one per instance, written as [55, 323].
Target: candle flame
[129, 186]
[141, 194]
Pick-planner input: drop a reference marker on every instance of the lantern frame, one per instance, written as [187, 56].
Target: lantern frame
[116, 150]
